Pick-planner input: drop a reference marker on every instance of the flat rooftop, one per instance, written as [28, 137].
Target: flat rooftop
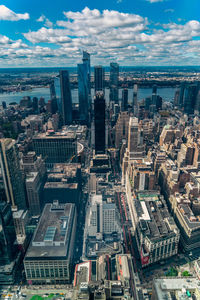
[53, 232]
[153, 216]
[55, 135]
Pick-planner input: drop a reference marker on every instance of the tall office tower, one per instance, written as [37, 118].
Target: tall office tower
[8, 246]
[83, 92]
[121, 129]
[86, 61]
[35, 105]
[176, 97]
[154, 89]
[98, 78]
[114, 78]
[4, 105]
[52, 90]
[190, 96]
[12, 176]
[6, 238]
[99, 122]
[181, 94]
[57, 89]
[66, 97]
[124, 106]
[135, 102]
[197, 104]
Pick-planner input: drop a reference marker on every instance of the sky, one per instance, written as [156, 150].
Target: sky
[53, 33]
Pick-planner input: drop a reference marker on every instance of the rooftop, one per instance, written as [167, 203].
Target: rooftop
[153, 216]
[53, 232]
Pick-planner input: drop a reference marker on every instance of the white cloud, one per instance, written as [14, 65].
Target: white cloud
[169, 10]
[9, 15]
[107, 35]
[46, 21]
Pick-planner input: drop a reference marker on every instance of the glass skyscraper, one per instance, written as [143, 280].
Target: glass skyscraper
[66, 97]
[99, 122]
[11, 174]
[114, 78]
[98, 78]
[86, 62]
[83, 92]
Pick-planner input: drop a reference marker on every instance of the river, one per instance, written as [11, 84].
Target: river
[166, 93]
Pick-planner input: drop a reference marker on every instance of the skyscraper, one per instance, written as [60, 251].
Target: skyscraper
[83, 92]
[98, 78]
[66, 97]
[12, 177]
[124, 100]
[86, 61]
[189, 99]
[99, 121]
[135, 102]
[114, 78]
[56, 88]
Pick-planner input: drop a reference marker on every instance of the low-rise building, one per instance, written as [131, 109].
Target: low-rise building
[49, 256]
[156, 233]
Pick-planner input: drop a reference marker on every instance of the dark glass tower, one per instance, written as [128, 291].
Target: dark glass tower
[190, 96]
[124, 99]
[66, 97]
[8, 249]
[99, 122]
[86, 62]
[83, 92]
[98, 78]
[11, 174]
[114, 78]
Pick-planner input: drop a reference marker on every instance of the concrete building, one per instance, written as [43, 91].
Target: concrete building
[49, 256]
[135, 149]
[121, 129]
[63, 184]
[102, 217]
[55, 147]
[175, 288]
[156, 233]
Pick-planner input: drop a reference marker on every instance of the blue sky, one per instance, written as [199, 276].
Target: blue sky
[130, 32]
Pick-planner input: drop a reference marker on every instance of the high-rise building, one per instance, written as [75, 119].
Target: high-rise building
[66, 97]
[8, 245]
[55, 92]
[4, 105]
[135, 102]
[83, 92]
[12, 176]
[114, 78]
[35, 105]
[86, 61]
[99, 121]
[121, 129]
[98, 78]
[181, 94]
[189, 99]
[124, 106]
[56, 147]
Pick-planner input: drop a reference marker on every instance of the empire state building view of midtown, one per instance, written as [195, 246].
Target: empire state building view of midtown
[100, 150]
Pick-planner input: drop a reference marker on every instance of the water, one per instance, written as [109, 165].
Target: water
[166, 93]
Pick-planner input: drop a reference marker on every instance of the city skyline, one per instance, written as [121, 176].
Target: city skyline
[150, 32]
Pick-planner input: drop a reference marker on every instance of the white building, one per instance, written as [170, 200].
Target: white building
[102, 217]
